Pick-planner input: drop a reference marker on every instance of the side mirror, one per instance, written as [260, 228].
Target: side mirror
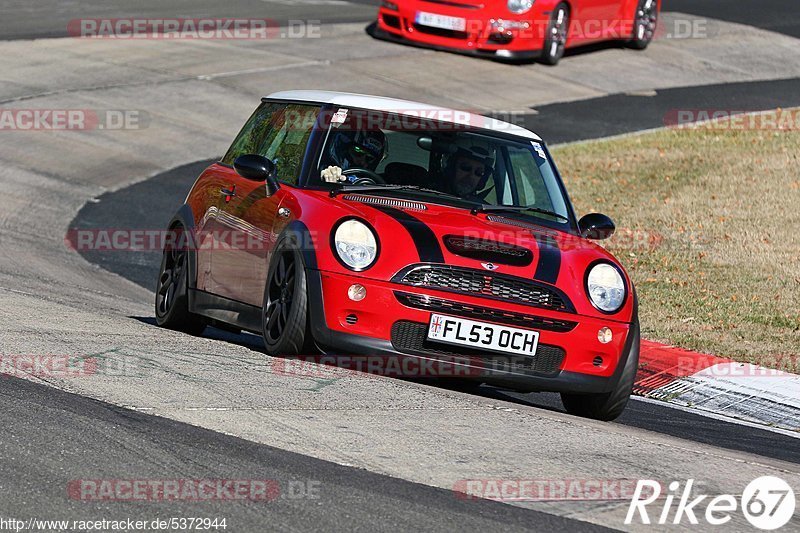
[596, 226]
[257, 168]
[426, 143]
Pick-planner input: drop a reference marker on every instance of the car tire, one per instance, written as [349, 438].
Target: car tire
[644, 24]
[172, 298]
[285, 316]
[555, 40]
[608, 406]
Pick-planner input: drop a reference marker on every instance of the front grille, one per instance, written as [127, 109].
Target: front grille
[439, 32]
[485, 250]
[438, 305]
[411, 337]
[388, 202]
[485, 285]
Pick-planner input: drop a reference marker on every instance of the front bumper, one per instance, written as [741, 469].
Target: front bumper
[480, 38]
[390, 322]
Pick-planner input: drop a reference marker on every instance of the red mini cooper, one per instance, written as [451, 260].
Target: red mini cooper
[349, 224]
[517, 29]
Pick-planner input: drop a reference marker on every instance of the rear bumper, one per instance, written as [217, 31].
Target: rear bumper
[385, 327]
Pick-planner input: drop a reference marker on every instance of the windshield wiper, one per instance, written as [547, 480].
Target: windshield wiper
[486, 208]
[363, 188]
[379, 188]
[432, 191]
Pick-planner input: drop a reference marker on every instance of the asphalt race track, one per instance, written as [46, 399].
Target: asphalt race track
[49, 18]
[384, 454]
[600, 117]
[120, 444]
[771, 15]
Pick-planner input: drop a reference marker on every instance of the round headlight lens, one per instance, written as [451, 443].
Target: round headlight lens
[355, 244]
[606, 287]
[520, 6]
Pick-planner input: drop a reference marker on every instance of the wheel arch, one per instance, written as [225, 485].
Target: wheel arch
[300, 237]
[185, 217]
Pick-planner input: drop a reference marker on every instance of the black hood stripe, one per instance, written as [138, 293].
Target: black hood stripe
[549, 264]
[424, 238]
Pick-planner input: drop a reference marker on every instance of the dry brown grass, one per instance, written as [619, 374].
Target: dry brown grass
[723, 206]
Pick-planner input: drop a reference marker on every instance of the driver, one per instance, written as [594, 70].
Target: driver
[350, 150]
[467, 172]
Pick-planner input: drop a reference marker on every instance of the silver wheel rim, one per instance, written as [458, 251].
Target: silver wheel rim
[646, 18]
[558, 33]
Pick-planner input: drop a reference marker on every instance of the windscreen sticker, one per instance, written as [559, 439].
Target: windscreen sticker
[339, 117]
[539, 149]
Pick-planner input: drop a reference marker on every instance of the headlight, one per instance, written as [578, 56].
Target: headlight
[355, 244]
[606, 287]
[520, 6]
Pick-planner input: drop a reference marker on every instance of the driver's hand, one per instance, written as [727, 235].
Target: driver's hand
[333, 174]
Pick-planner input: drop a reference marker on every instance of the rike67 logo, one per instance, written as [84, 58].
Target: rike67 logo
[768, 503]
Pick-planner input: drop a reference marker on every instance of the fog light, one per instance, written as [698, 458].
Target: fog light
[357, 292]
[604, 335]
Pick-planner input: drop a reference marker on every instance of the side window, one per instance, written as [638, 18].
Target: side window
[249, 139]
[530, 184]
[285, 143]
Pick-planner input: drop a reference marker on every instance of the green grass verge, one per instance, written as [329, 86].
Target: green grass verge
[709, 230]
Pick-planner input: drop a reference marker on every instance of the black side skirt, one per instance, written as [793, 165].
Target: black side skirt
[240, 314]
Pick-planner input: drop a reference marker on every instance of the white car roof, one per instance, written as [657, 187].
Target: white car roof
[406, 107]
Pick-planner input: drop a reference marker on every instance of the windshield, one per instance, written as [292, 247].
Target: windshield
[464, 165]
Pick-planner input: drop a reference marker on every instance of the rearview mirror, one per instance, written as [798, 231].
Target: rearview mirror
[596, 226]
[257, 168]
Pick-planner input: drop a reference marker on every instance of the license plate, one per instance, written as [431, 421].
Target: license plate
[483, 336]
[441, 21]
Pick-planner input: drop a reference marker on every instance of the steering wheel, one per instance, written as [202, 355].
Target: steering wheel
[370, 178]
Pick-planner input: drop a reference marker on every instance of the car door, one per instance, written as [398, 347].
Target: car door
[250, 217]
[206, 201]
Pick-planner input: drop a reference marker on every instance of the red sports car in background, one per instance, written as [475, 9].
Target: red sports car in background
[517, 29]
[352, 224]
